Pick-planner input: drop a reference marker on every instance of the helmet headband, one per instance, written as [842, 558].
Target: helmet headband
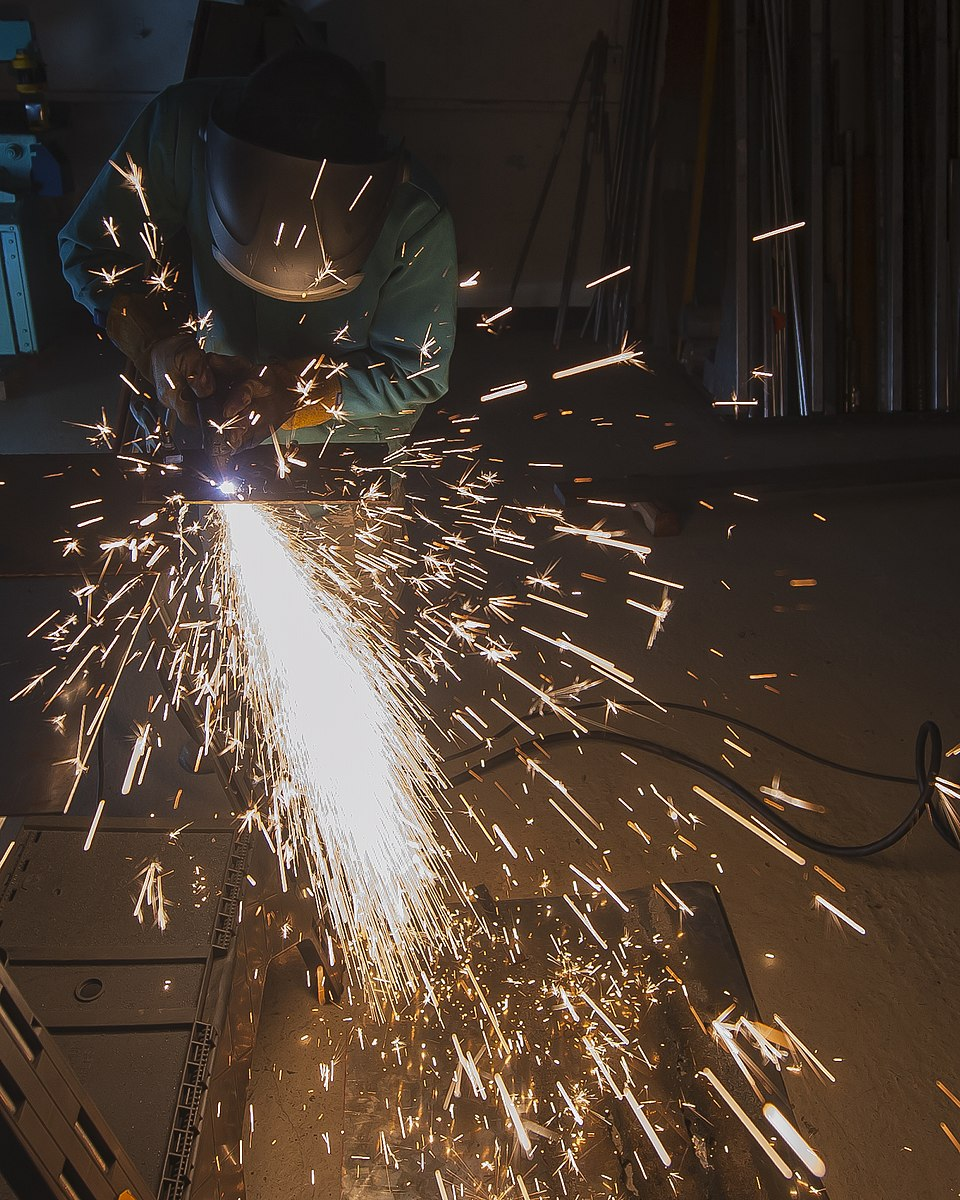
[293, 228]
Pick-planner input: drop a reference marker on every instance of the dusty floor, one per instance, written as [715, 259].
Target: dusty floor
[856, 663]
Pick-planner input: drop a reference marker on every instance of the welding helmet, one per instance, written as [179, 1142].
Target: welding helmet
[298, 181]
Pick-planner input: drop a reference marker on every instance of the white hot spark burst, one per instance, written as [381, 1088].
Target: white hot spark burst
[356, 780]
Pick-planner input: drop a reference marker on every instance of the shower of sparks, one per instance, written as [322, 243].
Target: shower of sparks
[354, 776]
[274, 636]
[277, 641]
[151, 897]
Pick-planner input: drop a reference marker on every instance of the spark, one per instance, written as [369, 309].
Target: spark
[504, 389]
[662, 1152]
[801, 1148]
[954, 1141]
[486, 322]
[774, 791]
[101, 804]
[508, 1103]
[822, 902]
[164, 279]
[132, 176]
[628, 354]
[603, 278]
[760, 237]
[316, 182]
[151, 895]
[756, 830]
[747, 1123]
[110, 275]
[356, 198]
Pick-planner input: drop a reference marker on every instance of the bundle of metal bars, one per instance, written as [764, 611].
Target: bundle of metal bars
[844, 126]
[627, 236]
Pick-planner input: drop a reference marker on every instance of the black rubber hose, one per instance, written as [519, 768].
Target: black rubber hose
[633, 706]
[927, 759]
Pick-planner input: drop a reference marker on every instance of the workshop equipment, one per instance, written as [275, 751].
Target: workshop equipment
[53, 1137]
[157, 1026]
[32, 290]
[212, 440]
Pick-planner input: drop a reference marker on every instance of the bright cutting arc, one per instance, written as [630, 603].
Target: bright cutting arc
[353, 779]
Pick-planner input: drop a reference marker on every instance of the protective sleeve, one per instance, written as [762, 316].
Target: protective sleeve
[405, 365]
[115, 239]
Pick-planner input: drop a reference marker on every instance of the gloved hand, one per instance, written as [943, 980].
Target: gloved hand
[143, 329]
[258, 398]
[181, 374]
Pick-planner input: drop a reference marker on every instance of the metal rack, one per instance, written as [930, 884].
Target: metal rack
[845, 118]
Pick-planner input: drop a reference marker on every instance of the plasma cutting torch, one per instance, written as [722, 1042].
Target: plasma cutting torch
[213, 442]
[213, 473]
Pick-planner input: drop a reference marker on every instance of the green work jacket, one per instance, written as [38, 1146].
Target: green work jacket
[394, 333]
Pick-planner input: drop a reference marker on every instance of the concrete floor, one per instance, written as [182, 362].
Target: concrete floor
[860, 659]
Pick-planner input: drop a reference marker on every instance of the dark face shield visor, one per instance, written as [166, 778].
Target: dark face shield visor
[294, 228]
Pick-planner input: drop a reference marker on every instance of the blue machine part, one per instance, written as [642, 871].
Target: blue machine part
[16, 165]
[27, 166]
[45, 173]
[14, 36]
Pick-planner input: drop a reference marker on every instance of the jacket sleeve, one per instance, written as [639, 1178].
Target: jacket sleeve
[405, 365]
[115, 239]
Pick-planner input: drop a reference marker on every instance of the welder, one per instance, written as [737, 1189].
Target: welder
[323, 257]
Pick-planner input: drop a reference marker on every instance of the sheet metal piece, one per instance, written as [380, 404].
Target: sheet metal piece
[55, 1141]
[159, 1025]
[334, 474]
[426, 1103]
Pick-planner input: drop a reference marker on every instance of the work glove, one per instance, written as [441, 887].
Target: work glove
[282, 394]
[164, 355]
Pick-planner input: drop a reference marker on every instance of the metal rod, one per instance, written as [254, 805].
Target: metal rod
[711, 45]
[551, 171]
[815, 218]
[741, 91]
[776, 42]
[892, 336]
[940, 298]
[851, 388]
[597, 56]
